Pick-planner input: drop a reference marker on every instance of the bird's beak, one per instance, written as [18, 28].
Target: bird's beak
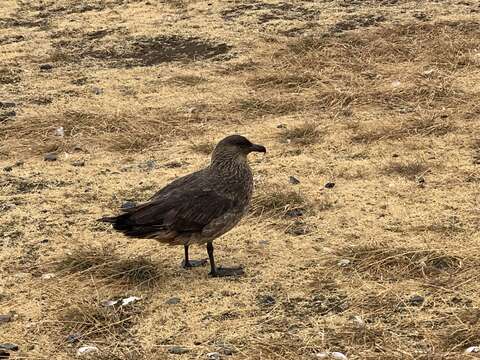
[258, 148]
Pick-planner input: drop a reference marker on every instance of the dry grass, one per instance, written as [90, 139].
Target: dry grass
[369, 93]
[305, 134]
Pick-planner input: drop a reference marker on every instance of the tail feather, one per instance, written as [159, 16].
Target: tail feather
[120, 222]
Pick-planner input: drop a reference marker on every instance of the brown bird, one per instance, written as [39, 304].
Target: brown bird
[199, 207]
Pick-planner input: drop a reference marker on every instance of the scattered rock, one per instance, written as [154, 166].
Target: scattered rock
[329, 185]
[395, 155]
[84, 350]
[48, 276]
[121, 302]
[128, 205]
[173, 164]
[73, 338]
[213, 356]
[51, 156]
[173, 301]
[60, 131]
[78, 163]
[227, 349]
[148, 165]
[294, 213]
[266, 300]
[97, 91]
[178, 350]
[46, 67]
[343, 262]
[9, 346]
[5, 318]
[358, 321]
[8, 168]
[473, 349]
[416, 300]
[331, 355]
[293, 180]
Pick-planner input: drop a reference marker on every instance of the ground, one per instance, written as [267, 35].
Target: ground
[379, 97]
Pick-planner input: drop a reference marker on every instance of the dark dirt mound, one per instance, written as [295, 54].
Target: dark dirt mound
[137, 51]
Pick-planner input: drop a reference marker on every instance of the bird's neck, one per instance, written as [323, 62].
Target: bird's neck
[230, 165]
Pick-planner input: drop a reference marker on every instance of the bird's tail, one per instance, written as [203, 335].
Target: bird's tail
[119, 222]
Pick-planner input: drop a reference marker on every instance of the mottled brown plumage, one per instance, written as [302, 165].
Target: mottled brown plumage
[199, 207]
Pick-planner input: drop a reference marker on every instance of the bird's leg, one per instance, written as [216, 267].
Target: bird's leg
[221, 271]
[187, 264]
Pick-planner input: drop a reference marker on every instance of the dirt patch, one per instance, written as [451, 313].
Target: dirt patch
[9, 75]
[358, 21]
[265, 12]
[137, 51]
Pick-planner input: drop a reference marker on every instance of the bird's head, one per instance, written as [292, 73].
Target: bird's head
[236, 146]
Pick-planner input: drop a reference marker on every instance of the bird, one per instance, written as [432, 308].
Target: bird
[199, 207]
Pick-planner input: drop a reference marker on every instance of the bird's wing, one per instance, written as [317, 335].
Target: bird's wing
[189, 211]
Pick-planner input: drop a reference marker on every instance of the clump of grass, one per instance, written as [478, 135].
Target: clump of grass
[188, 80]
[254, 107]
[276, 201]
[204, 148]
[417, 127]
[408, 170]
[103, 262]
[305, 134]
[387, 263]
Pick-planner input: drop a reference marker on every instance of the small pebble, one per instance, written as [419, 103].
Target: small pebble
[178, 350]
[473, 349]
[293, 180]
[8, 168]
[5, 318]
[59, 131]
[358, 321]
[294, 213]
[73, 338]
[264, 242]
[97, 91]
[84, 350]
[173, 301]
[281, 126]
[329, 185]
[46, 67]
[343, 262]
[50, 156]
[338, 356]
[4, 354]
[78, 163]
[267, 300]
[48, 276]
[213, 356]
[416, 300]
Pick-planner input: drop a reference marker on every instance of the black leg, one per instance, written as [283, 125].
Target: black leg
[187, 263]
[221, 271]
[213, 268]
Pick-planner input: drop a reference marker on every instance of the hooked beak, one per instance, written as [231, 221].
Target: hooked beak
[258, 148]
